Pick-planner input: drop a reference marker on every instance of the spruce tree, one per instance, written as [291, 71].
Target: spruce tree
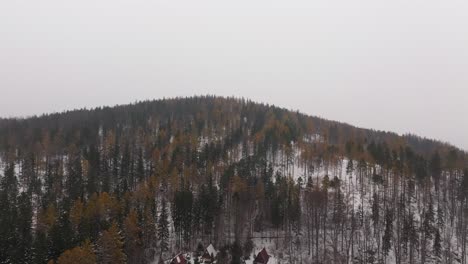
[437, 247]
[24, 229]
[163, 228]
[39, 248]
[388, 233]
[236, 253]
[8, 216]
[75, 183]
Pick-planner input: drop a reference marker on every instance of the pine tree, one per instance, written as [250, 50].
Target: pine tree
[236, 253]
[410, 235]
[350, 168]
[124, 174]
[24, 229]
[61, 236]
[427, 229]
[437, 247]
[375, 209]
[105, 170]
[388, 233]
[75, 183]
[8, 216]
[39, 248]
[163, 228]
[222, 256]
[248, 248]
[115, 168]
[49, 196]
[140, 170]
[92, 183]
[182, 213]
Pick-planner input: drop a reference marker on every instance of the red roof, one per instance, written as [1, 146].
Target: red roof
[262, 257]
[179, 259]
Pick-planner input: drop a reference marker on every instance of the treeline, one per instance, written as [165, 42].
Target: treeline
[140, 182]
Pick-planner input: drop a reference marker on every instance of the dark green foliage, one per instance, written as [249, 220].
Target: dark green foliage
[140, 168]
[388, 233]
[93, 157]
[9, 216]
[375, 209]
[437, 246]
[236, 253]
[74, 182]
[24, 229]
[410, 234]
[377, 179]
[223, 255]
[60, 237]
[208, 207]
[163, 228]
[39, 249]
[125, 179]
[429, 221]
[182, 214]
[248, 248]
[350, 167]
[278, 204]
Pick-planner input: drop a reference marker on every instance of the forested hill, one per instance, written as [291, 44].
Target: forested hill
[200, 116]
[139, 183]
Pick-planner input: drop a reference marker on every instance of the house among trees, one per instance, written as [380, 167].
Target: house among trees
[210, 254]
[179, 259]
[262, 257]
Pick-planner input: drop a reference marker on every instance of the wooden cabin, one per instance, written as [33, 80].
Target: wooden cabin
[209, 256]
[179, 259]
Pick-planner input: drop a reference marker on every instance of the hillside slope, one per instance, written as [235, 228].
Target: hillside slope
[141, 182]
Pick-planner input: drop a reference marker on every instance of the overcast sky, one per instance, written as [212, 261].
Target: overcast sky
[395, 65]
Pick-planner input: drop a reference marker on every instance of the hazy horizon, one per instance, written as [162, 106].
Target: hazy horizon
[396, 66]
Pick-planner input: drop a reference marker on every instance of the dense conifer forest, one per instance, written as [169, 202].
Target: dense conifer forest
[141, 183]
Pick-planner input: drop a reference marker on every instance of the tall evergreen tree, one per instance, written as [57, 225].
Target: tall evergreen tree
[24, 229]
[163, 228]
[8, 216]
[75, 183]
[92, 182]
[388, 233]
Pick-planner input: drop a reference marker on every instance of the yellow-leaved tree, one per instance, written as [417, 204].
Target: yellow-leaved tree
[83, 254]
[110, 247]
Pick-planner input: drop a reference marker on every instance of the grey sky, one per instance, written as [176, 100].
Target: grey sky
[395, 65]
